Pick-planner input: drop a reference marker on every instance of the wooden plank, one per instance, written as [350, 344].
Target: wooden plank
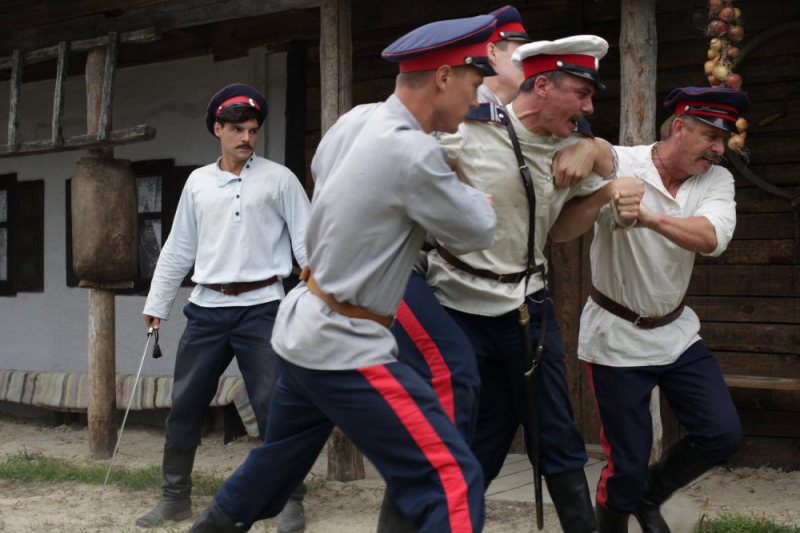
[756, 252]
[781, 174]
[57, 132]
[768, 451]
[745, 280]
[759, 364]
[15, 88]
[765, 226]
[45, 54]
[102, 405]
[768, 423]
[87, 141]
[165, 16]
[763, 382]
[744, 337]
[104, 123]
[746, 309]
[764, 398]
[758, 201]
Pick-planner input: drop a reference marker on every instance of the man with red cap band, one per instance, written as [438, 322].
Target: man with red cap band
[238, 222]
[428, 340]
[483, 291]
[382, 182]
[639, 334]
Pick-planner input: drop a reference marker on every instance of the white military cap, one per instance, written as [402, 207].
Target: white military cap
[579, 55]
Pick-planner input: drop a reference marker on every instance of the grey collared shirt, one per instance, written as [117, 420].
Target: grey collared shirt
[381, 183]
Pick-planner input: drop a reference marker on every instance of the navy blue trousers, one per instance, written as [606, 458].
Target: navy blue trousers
[697, 394]
[392, 416]
[431, 343]
[503, 405]
[213, 336]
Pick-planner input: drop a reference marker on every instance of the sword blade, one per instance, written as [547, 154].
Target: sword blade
[125, 418]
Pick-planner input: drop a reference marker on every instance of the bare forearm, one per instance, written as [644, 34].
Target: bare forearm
[695, 234]
[578, 215]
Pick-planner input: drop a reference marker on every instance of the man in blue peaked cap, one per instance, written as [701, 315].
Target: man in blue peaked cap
[636, 331]
[382, 182]
[238, 222]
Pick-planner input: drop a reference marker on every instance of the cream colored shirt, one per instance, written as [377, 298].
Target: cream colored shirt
[482, 155]
[648, 273]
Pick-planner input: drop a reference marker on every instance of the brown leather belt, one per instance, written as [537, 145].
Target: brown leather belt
[644, 322]
[345, 309]
[515, 277]
[236, 288]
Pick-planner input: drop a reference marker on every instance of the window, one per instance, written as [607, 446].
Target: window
[158, 188]
[21, 235]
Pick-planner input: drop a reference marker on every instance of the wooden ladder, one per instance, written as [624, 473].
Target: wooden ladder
[105, 136]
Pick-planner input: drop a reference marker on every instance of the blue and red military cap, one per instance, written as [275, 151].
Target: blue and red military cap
[719, 107]
[235, 95]
[509, 26]
[453, 42]
[578, 55]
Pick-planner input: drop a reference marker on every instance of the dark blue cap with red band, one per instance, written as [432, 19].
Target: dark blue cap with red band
[509, 26]
[719, 107]
[235, 95]
[447, 42]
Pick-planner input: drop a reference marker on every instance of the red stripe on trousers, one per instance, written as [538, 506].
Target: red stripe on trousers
[441, 382]
[428, 441]
[602, 492]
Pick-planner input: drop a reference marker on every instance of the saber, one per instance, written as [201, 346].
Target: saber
[150, 334]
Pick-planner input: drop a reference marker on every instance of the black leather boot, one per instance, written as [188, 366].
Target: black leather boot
[293, 516]
[391, 519]
[609, 521]
[176, 488]
[676, 469]
[570, 494]
[213, 520]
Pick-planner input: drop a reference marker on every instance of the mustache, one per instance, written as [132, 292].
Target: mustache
[245, 145]
[711, 156]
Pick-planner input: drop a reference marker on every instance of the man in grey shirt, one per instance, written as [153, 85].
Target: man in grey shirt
[382, 182]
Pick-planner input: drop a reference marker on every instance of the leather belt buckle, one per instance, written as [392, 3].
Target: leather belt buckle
[639, 319]
[505, 278]
[223, 287]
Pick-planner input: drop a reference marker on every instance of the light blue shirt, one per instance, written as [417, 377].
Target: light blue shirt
[232, 229]
[381, 182]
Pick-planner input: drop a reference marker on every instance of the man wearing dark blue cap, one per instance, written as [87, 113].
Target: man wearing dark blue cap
[636, 332]
[238, 222]
[381, 183]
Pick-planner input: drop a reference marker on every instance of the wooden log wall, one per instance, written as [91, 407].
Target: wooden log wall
[749, 298]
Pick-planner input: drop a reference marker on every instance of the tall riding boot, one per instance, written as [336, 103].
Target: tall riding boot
[570, 494]
[676, 469]
[176, 488]
[293, 516]
[391, 518]
[609, 521]
[213, 520]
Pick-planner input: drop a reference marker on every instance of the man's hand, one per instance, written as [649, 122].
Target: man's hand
[491, 199]
[626, 199]
[151, 322]
[573, 163]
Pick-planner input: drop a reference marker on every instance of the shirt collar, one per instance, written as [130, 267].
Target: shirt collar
[395, 106]
[223, 177]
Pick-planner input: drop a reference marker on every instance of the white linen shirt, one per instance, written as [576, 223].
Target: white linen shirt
[647, 272]
[233, 229]
[482, 155]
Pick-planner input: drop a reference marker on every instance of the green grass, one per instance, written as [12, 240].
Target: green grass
[734, 523]
[25, 467]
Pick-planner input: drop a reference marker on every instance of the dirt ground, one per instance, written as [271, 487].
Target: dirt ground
[331, 507]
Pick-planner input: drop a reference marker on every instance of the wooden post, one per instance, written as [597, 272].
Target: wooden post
[102, 406]
[345, 462]
[637, 49]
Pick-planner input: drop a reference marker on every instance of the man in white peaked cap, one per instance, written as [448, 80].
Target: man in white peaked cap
[484, 291]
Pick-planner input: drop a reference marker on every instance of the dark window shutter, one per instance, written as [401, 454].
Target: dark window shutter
[30, 236]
